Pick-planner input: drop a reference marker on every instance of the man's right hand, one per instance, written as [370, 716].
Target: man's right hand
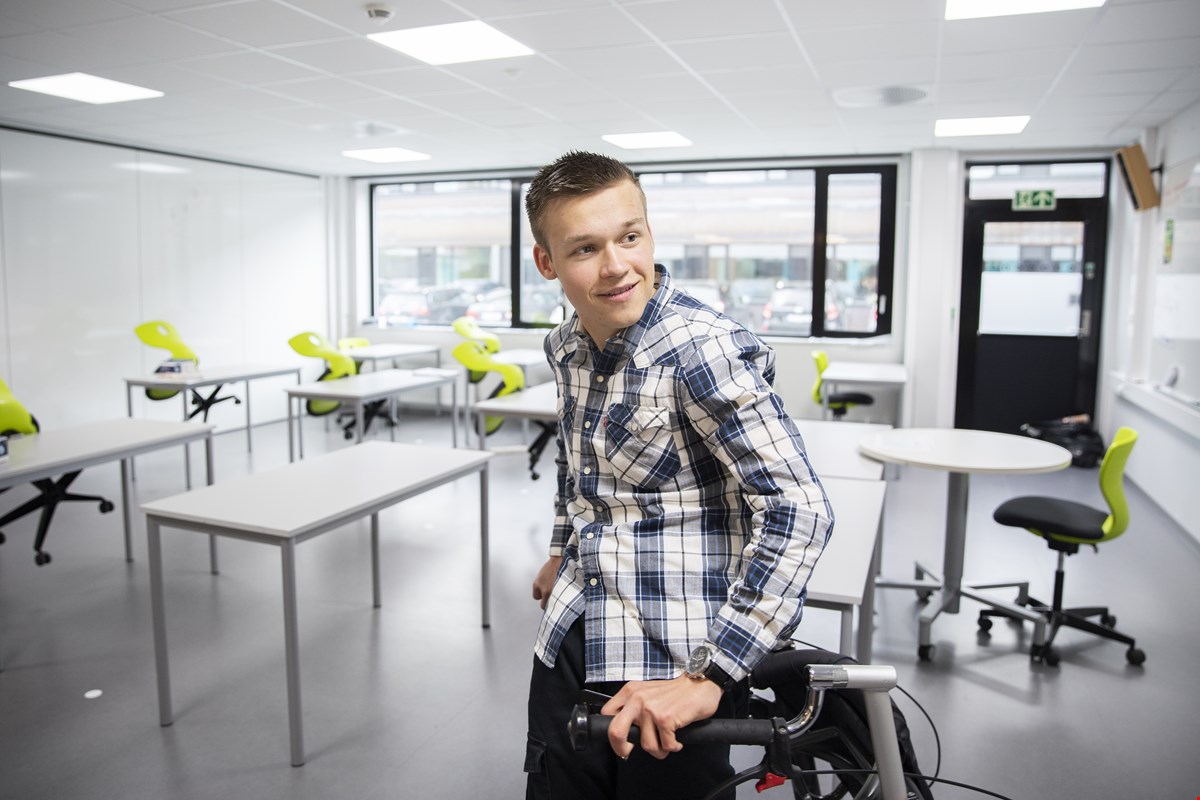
[544, 581]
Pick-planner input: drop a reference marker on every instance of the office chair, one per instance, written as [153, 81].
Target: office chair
[15, 420]
[158, 333]
[478, 361]
[470, 330]
[337, 365]
[838, 402]
[1065, 525]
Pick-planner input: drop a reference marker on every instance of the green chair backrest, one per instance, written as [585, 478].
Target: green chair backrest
[470, 330]
[337, 365]
[475, 356]
[351, 342]
[1112, 474]
[14, 417]
[159, 333]
[822, 361]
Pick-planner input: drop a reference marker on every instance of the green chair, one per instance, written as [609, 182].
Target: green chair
[158, 333]
[337, 365]
[838, 402]
[15, 420]
[470, 330]
[475, 356]
[1065, 525]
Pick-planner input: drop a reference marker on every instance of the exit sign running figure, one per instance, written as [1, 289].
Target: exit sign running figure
[1034, 200]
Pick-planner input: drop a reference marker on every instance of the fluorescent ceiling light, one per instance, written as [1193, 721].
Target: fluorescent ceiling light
[152, 167]
[86, 88]
[386, 155]
[980, 126]
[640, 141]
[452, 44]
[974, 9]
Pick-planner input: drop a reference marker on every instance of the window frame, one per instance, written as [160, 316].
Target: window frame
[823, 170]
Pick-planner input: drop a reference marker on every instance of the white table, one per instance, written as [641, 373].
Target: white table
[961, 452]
[375, 353]
[292, 504]
[359, 390]
[53, 453]
[185, 382]
[841, 375]
[844, 578]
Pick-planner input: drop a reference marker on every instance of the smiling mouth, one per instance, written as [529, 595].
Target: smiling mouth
[619, 293]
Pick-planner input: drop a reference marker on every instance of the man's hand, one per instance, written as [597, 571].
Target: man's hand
[544, 581]
[659, 708]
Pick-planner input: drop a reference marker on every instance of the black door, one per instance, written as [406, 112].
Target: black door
[1032, 286]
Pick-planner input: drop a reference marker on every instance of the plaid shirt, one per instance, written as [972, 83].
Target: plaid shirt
[686, 509]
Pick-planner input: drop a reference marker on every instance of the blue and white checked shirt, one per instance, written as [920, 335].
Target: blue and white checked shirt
[686, 509]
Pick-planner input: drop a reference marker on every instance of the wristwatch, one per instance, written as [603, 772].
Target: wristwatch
[700, 666]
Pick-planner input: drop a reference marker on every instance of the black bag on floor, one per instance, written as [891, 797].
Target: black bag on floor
[1074, 433]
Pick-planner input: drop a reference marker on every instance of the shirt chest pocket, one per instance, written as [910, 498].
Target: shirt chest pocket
[639, 444]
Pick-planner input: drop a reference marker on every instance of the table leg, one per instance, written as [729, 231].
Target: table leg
[437, 362]
[846, 632]
[291, 444]
[126, 510]
[454, 413]
[208, 474]
[129, 413]
[291, 645]
[359, 423]
[158, 617]
[393, 404]
[187, 452]
[249, 442]
[300, 425]
[956, 539]
[485, 559]
[866, 611]
[375, 583]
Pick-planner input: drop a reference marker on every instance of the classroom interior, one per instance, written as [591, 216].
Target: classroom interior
[227, 207]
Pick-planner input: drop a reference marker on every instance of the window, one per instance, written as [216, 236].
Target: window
[765, 246]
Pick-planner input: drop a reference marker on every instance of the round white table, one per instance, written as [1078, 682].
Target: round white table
[961, 452]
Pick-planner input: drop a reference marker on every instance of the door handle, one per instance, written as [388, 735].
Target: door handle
[1085, 324]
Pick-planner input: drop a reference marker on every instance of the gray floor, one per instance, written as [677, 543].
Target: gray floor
[416, 700]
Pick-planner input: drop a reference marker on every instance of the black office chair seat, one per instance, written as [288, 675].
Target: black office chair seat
[1053, 517]
[840, 402]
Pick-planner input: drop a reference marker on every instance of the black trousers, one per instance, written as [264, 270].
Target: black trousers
[557, 772]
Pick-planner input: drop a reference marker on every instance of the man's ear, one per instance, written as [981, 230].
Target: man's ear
[541, 257]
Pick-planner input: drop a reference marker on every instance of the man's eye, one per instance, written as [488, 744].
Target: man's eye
[587, 248]
[632, 237]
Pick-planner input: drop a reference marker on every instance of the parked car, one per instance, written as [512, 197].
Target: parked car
[789, 309]
[435, 305]
[537, 305]
[707, 292]
[747, 298]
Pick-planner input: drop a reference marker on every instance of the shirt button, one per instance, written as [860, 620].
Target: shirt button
[593, 582]
[587, 424]
[599, 510]
[599, 379]
[591, 536]
[587, 470]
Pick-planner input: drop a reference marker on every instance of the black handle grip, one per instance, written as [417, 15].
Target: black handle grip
[583, 727]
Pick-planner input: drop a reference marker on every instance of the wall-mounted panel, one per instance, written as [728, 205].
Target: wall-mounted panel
[71, 275]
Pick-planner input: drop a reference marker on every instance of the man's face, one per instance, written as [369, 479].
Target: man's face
[600, 248]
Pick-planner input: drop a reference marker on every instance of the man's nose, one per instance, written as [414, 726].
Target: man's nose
[612, 262]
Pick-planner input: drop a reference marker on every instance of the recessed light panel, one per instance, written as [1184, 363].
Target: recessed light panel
[456, 43]
[974, 9]
[641, 141]
[980, 126]
[85, 88]
[386, 155]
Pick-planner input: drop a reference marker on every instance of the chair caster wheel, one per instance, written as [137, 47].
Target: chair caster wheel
[2, 539]
[106, 506]
[348, 436]
[42, 559]
[985, 624]
[1135, 656]
[1044, 654]
[923, 595]
[925, 652]
[1108, 621]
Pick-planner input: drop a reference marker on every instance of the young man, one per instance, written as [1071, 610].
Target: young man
[687, 517]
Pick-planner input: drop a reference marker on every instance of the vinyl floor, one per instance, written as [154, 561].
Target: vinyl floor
[416, 700]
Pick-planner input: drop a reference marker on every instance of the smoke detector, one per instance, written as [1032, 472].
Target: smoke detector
[878, 96]
[379, 13]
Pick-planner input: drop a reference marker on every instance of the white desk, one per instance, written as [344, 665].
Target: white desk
[184, 383]
[359, 390]
[844, 578]
[961, 452]
[289, 505]
[840, 375]
[375, 353]
[53, 453]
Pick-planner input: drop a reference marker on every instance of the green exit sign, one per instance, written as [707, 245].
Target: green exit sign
[1034, 200]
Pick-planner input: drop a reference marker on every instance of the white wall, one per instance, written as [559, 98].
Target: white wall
[1167, 457]
[96, 239]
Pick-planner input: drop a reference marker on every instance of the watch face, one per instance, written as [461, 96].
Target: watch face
[699, 660]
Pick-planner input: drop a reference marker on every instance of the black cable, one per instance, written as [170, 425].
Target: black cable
[914, 775]
[937, 740]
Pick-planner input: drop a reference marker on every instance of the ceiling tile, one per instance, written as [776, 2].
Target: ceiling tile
[414, 81]
[246, 67]
[675, 20]
[322, 90]
[352, 16]
[635, 60]
[732, 83]
[1021, 32]
[761, 51]
[877, 43]
[1150, 81]
[62, 53]
[257, 23]
[1015, 63]
[1025, 90]
[57, 13]
[1159, 54]
[1146, 21]
[567, 30]
[807, 15]
[343, 56]
[896, 72]
[154, 38]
